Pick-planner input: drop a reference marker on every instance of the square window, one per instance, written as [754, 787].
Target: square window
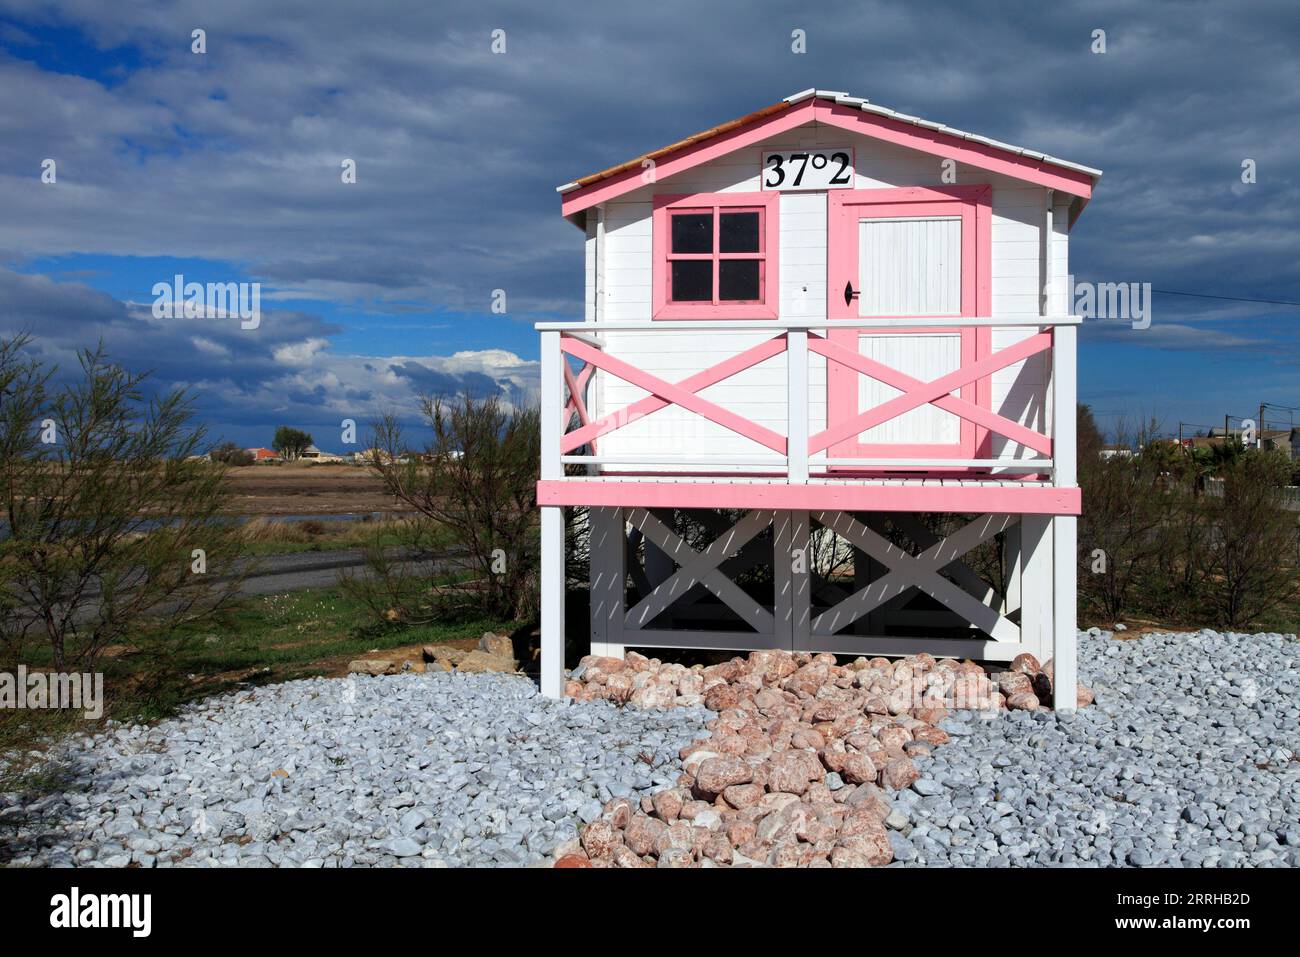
[692, 232]
[715, 256]
[738, 280]
[692, 280]
[738, 233]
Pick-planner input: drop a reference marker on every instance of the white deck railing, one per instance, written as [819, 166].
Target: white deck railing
[795, 456]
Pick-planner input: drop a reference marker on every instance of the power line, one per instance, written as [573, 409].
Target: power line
[1202, 295]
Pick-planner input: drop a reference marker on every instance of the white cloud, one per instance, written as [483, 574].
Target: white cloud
[300, 353]
[209, 347]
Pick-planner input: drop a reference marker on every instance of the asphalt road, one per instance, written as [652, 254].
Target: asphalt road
[281, 573]
[276, 574]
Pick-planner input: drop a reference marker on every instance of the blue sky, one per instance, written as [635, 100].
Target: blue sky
[225, 166]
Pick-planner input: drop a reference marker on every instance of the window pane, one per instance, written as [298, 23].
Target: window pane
[738, 233]
[738, 279]
[693, 233]
[693, 280]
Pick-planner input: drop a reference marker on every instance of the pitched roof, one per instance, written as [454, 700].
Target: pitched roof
[700, 137]
[839, 109]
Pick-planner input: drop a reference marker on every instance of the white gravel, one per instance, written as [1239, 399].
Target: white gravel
[413, 770]
[1187, 758]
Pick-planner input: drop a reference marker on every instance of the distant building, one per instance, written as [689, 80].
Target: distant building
[369, 456]
[314, 455]
[1283, 440]
[263, 455]
[1202, 442]
[1116, 451]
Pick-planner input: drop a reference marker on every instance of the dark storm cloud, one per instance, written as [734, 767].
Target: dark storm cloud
[234, 156]
[458, 150]
[433, 382]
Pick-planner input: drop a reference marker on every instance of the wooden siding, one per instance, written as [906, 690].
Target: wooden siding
[622, 290]
[910, 267]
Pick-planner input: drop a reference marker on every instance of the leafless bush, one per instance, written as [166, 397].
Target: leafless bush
[1171, 551]
[105, 504]
[475, 487]
[1126, 505]
[1252, 538]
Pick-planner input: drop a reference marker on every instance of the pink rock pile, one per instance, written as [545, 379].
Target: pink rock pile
[801, 758]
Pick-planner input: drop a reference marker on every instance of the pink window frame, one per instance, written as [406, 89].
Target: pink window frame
[769, 273]
[845, 209]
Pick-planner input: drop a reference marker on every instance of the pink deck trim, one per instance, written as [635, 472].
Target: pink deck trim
[937, 391]
[768, 254]
[1015, 500]
[873, 125]
[674, 394]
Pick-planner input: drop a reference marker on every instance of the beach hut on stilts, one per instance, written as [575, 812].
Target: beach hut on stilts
[823, 394]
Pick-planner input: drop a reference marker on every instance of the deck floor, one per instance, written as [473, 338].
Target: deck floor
[917, 494]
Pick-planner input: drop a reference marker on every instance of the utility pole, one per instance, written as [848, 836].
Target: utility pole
[1225, 428]
[1259, 429]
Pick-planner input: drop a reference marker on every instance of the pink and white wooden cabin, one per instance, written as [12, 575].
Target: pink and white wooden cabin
[830, 319]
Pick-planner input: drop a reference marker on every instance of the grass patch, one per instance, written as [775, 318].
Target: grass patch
[1285, 618]
[297, 633]
[1282, 619]
[264, 640]
[263, 536]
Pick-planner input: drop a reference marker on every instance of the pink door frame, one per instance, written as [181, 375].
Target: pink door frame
[845, 209]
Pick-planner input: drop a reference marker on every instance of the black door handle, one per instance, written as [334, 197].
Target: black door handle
[849, 294]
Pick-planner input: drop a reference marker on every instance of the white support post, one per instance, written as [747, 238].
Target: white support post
[608, 549]
[796, 373]
[552, 545]
[552, 405]
[1045, 256]
[1065, 634]
[1064, 372]
[1064, 527]
[552, 601]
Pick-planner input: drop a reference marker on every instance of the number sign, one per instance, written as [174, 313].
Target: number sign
[808, 169]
